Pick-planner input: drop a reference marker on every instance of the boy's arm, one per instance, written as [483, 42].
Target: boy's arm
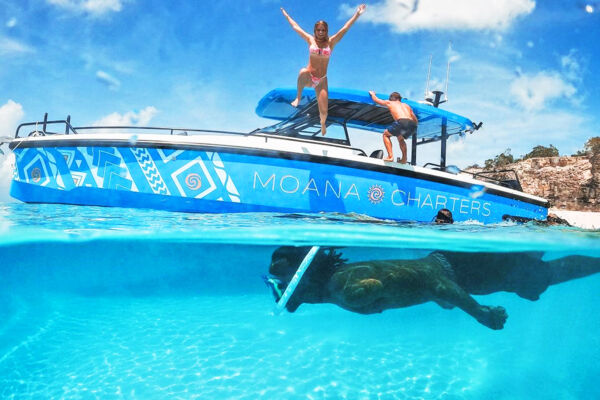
[377, 99]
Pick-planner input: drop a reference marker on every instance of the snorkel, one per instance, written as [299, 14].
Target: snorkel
[277, 286]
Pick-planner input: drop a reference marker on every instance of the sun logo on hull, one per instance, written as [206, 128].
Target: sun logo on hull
[36, 175]
[375, 194]
[193, 181]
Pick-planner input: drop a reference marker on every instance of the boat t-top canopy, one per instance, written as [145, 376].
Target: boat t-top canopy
[356, 109]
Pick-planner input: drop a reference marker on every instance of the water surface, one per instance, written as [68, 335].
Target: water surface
[119, 303]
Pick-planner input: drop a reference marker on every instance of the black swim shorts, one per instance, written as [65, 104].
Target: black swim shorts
[404, 127]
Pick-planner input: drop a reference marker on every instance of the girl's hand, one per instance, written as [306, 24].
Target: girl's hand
[360, 9]
[283, 11]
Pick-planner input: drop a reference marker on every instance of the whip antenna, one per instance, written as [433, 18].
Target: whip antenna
[448, 69]
[427, 83]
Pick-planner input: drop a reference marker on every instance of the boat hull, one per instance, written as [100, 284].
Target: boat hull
[222, 180]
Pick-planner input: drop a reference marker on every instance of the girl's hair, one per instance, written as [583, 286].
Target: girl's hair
[321, 22]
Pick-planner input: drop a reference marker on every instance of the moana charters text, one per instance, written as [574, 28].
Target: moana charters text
[376, 193]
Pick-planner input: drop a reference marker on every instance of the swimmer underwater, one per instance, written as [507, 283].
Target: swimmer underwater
[447, 278]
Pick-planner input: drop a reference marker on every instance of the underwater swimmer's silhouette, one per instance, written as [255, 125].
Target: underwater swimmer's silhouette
[447, 278]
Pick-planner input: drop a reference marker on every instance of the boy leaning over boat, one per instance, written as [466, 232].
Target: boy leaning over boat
[404, 126]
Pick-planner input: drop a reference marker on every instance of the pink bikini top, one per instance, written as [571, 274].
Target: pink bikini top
[319, 51]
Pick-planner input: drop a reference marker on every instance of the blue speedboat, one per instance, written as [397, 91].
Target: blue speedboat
[286, 168]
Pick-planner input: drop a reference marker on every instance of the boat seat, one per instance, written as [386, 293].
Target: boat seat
[377, 154]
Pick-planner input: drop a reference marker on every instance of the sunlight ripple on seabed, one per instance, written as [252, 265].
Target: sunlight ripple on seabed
[209, 347]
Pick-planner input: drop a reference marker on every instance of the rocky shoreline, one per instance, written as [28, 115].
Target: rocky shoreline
[568, 182]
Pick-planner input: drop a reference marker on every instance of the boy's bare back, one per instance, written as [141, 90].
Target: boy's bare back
[400, 110]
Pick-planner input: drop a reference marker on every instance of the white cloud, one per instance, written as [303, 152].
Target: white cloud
[6, 168]
[497, 41]
[533, 91]
[10, 114]
[521, 132]
[481, 91]
[507, 125]
[10, 46]
[130, 118]
[102, 6]
[451, 54]
[91, 7]
[102, 60]
[110, 81]
[571, 66]
[11, 23]
[413, 15]
[204, 104]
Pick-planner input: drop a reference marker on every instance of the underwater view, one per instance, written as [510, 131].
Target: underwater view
[121, 303]
[240, 168]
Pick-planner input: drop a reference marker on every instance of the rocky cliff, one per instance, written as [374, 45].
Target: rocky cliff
[571, 183]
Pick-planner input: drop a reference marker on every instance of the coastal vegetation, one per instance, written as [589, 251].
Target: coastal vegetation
[568, 182]
[590, 148]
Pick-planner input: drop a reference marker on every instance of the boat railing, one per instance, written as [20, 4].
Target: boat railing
[452, 169]
[512, 181]
[504, 177]
[315, 139]
[42, 129]
[171, 131]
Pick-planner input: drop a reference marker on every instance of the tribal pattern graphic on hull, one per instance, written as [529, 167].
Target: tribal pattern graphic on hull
[157, 184]
[167, 172]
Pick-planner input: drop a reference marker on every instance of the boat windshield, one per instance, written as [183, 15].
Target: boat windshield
[309, 128]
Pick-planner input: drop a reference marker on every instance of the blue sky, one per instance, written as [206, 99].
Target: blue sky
[528, 69]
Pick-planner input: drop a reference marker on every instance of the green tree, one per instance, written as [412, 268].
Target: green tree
[593, 145]
[500, 160]
[473, 166]
[542, 151]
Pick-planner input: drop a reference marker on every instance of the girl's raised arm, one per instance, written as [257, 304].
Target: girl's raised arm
[296, 27]
[340, 34]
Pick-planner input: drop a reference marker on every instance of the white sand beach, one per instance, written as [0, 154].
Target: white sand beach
[581, 219]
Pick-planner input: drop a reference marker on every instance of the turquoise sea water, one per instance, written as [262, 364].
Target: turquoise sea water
[117, 303]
